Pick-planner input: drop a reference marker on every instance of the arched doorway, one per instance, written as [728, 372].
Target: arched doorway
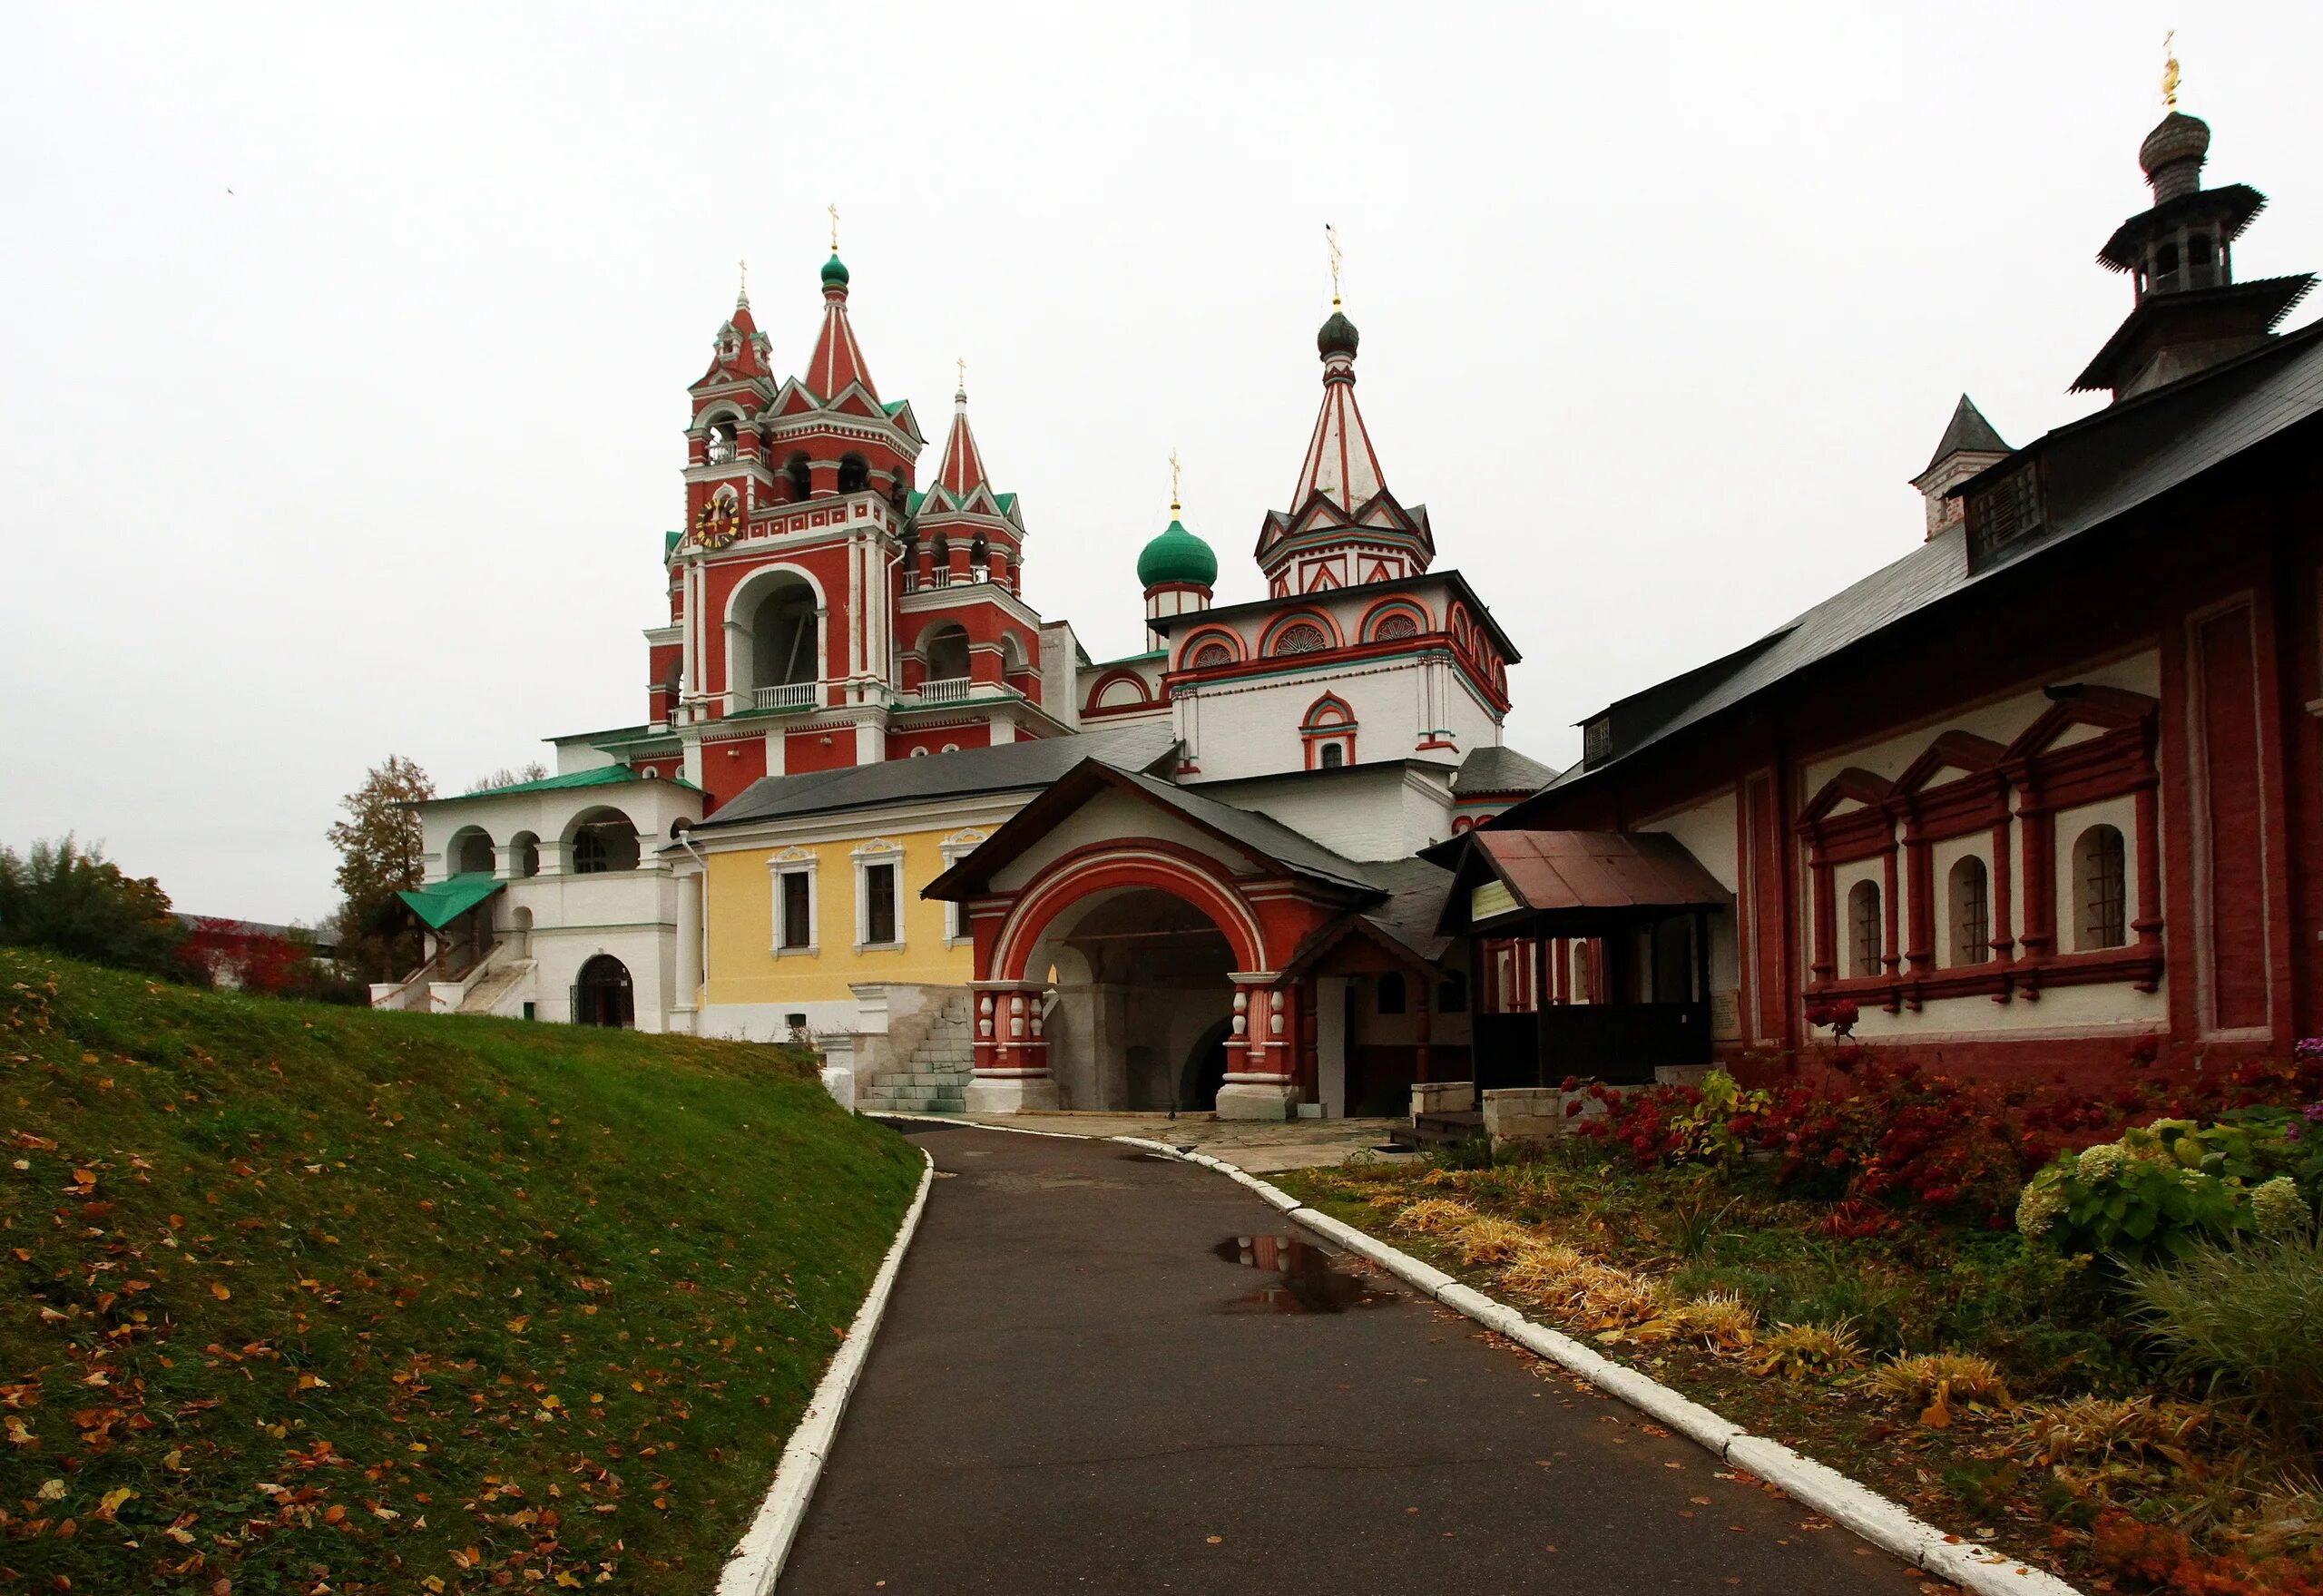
[1143, 1001]
[602, 995]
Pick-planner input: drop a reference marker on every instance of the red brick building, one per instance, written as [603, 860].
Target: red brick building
[2040, 796]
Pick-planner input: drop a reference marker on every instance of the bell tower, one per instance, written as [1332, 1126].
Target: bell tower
[2189, 312]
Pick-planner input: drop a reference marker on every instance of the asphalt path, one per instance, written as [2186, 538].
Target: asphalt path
[1101, 1372]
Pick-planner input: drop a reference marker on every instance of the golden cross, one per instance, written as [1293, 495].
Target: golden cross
[834, 227]
[1331, 237]
[2170, 70]
[963, 363]
[745, 265]
[1173, 482]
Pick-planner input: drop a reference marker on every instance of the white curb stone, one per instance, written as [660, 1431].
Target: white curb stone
[756, 1562]
[1848, 1502]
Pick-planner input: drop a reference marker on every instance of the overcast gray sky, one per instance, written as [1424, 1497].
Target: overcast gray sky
[345, 353]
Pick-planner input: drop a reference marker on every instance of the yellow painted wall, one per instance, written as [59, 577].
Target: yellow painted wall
[741, 909]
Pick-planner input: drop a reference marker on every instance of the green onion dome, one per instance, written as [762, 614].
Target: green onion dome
[1337, 335]
[1177, 556]
[833, 269]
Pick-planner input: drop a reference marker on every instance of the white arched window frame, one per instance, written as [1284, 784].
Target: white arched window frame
[959, 846]
[878, 894]
[797, 904]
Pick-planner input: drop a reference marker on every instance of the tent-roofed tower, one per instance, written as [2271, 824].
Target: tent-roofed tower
[962, 529]
[1968, 444]
[1344, 527]
[2179, 255]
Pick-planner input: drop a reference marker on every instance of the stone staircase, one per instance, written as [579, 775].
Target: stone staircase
[934, 1079]
[485, 997]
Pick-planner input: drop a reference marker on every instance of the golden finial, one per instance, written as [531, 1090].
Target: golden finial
[2170, 70]
[963, 363]
[1331, 237]
[744, 294]
[1173, 485]
[834, 207]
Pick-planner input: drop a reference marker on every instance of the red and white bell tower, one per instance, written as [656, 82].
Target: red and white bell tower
[822, 613]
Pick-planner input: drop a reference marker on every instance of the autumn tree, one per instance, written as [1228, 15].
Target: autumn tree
[505, 777]
[378, 847]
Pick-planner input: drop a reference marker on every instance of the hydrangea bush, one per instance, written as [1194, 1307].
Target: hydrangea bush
[2163, 1187]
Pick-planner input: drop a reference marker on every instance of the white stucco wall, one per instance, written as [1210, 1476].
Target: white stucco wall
[1388, 810]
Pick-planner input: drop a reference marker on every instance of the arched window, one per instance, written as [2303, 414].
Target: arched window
[1395, 623]
[1969, 887]
[2100, 890]
[1863, 929]
[801, 472]
[2165, 261]
[603, 841]
[854, 473]
[472, 854]
[979, 561]
[1452, 992]
[946, 650]
[528, 853]
[1334, 755]
[1392, 999]
[719, 448]
[1213, 652]
[1301, 637]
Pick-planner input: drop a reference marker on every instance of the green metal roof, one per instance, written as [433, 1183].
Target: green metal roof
[595, 776]
[441, 902]
[670, 542]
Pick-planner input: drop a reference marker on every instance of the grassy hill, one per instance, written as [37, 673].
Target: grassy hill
[306, 1298]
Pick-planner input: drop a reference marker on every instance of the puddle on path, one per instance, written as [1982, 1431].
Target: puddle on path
[1299, 1279]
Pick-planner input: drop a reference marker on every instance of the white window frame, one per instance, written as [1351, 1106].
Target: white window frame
[878, 851]
[797, 861]
[957, 847]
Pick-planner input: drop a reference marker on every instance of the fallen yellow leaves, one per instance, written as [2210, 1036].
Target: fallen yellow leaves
[220, 1290]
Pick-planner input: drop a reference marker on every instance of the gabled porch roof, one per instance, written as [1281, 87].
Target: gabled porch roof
[1573, 883]
[1251, 833]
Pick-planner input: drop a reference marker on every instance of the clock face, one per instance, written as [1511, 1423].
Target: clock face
[718, 523]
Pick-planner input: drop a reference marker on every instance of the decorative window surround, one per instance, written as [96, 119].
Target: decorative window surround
[797, 861]
[957, 847]
[877, 852]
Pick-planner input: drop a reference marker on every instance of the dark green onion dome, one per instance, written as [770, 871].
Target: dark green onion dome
[1177, 556]
[834, 269]
[1339, 336]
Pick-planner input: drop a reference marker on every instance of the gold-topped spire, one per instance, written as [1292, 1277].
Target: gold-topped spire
[1173, 485]
[834, 209]
[2170, 70]
[1331, 238]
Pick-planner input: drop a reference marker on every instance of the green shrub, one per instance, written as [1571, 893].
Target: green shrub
[2245, 1315]
[2166, 1188]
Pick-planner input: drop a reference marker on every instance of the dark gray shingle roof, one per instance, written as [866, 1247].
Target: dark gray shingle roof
[1499, 768]
[2180, 431]
[1011, 767]
[1967, 430]
[1261, 834]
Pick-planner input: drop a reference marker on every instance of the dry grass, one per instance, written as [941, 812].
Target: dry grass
[1810, 1352]
[1720, 1321]
[2098, 1429]
[1436, 1216]
[1492, 1242]
[1922, 1379]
